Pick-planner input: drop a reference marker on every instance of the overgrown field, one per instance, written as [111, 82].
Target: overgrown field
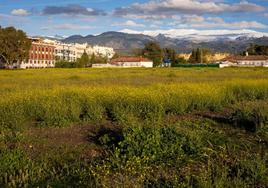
[200, 127]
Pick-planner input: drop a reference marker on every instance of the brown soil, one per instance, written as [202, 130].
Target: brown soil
[42, 141]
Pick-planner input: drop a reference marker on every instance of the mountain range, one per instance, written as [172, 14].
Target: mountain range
[126, 41]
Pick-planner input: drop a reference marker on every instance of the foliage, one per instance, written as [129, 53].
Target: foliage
[98, 59]
[14, 45]
[167, 127]
[199, 56]
[65, 64]
[170, 54]
[257, 50]
[116, 55]
[84, 61]
[251, 115]
[154, 52]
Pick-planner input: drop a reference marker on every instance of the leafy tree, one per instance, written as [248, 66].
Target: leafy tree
[137, 52]
[98, 59]
[14, 45]
[180, 60]
[170, 54]
[257, 50]
[65, 64]
[83, 61]
[193, 57]
[199, 56]
[154, 52]
[116, 55]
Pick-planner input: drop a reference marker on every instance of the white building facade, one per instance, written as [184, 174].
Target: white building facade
[126, 62]
[245, 61]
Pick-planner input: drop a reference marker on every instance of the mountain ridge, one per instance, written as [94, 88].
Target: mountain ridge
[125, 42]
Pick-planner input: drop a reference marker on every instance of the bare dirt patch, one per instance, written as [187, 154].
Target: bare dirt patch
[42, 141]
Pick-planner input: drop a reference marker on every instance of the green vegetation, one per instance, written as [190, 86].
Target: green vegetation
[199, 56]
[257, 50]
[84, 61]
[144, 127]
[14, 45]
[154, 52]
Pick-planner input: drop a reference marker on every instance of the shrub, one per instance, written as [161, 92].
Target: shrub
[253, 116]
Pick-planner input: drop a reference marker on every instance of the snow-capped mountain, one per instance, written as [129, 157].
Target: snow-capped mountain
[234, 41]
[200, 35]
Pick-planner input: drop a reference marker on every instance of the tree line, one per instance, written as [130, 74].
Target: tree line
[84, 61]
[257, 50]
[158, 55]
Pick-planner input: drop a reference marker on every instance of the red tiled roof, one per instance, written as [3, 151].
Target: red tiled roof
[129, 59]
[246, 58]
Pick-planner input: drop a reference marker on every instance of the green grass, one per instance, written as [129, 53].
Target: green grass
[198, 127]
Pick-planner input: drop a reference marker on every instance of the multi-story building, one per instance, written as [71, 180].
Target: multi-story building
[65, 52]
[103, 51]
[44, 53]
[41, 55]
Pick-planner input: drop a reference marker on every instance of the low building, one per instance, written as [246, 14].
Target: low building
[132, 62]
[245, 61]
[126, 62]
[41, 55]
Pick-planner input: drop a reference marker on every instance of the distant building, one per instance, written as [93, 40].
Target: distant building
[126, 62]
[45, 52]
[72, 52]
[132, 62]
[103, 51]
[245, 61]
[41, 55]
[65, 52]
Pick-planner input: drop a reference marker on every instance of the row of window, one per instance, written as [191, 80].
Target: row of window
[36, 56]
[43, 49]
[252, 63]
[41, 62]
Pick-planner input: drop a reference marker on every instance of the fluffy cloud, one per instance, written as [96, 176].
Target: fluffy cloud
[72, 10]
[129, 23]
[68, 27]
[20, 12]
[194, 21]
[168, 8]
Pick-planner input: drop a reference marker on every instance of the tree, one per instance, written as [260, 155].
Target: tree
[193, 56]
[154, 52]
[14, 45]
[137, 52]
[170, 54]
[116, 55]
[257, 50]
[83, 61]
[98, 59]
[199, 56]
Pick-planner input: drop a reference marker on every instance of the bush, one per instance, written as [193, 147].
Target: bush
[253, 116]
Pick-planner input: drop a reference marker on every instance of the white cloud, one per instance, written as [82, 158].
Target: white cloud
[168, 8]
[68, 26]
[20, 12]
[195, 21]
[129, 23]
[233, 25]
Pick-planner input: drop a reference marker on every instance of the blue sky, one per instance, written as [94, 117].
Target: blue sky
[66, 17]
